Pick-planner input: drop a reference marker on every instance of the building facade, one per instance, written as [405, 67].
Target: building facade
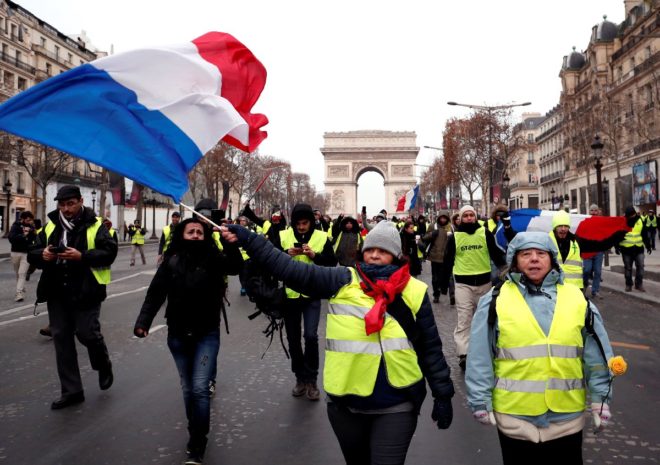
[523, 167]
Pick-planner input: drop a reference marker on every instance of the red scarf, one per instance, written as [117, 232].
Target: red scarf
[384, 292]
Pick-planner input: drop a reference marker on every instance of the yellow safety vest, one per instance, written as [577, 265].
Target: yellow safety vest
[472, 257]
[535, 373]
[360, 240]
[138, 237]
[492, 225]
[102, 274]
[634, 237]
[352, 358]
[573, 265]
[316, 243]
[216, 239]
[651, 222]
[167, 232]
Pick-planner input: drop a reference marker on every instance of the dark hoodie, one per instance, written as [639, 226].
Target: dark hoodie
[348, 243]
[303, 211]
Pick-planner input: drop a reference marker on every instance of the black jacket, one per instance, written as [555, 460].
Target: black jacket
[323, 282]
[19, 241]
[194, 289]
[73, 280]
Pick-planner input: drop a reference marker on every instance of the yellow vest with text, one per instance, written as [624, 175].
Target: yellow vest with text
[102, 274]
[572, 266]
[472, 257]
[316, 243]
[352, 358]
[535, 373]
[138, 237]
[634, 237]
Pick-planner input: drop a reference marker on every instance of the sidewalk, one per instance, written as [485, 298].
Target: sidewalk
[613, 278]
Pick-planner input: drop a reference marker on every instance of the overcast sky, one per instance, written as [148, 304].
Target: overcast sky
[346, 65]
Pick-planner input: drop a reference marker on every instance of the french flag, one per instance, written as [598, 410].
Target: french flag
[596, 228]
[148, 114]
[408, 200]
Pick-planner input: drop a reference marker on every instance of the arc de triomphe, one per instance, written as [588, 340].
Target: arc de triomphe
[348, 155]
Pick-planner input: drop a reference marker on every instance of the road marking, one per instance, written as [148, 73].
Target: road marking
[147, 273]
[139, 289]
[152, 330]
[17, 309]
[27, 317]
[627, 345]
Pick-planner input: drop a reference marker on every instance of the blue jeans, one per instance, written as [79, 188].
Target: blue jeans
[195, 357]
[592, 266]
[305, 365]
[628, 261]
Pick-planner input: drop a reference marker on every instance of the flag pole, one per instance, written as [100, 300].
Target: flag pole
[199, 214]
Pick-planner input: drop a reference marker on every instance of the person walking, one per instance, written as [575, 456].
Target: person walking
[310, 246]
[533, 356]
[347, 240]
[21, 237]
[188, 278]
[382, 343]
[652, 227]
[468, 254]
[137, 234]
[631, 249]
[410, 249]
[592, 263]
[436, 241]
[75, 252]
[166, 237]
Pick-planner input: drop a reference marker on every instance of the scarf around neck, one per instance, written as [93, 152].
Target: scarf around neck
[384, 292]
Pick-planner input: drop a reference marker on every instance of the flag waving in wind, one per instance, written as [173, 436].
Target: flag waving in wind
[148, 114]
[408, 200]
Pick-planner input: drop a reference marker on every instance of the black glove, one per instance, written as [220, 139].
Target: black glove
[241, 233]
[506, 221]
[442, 412]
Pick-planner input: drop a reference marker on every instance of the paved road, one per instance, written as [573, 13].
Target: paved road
[255, 419]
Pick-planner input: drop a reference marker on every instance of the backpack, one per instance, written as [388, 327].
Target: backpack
[270, 299]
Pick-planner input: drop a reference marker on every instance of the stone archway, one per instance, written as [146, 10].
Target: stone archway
[348, 155]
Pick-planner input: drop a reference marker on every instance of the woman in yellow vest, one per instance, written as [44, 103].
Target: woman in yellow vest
[532, 364]
[137, 234]
[381, 343]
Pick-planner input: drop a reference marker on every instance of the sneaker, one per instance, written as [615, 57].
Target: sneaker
[211, 388]
[193, 459]
[299, 389]
[628, 288]
[452, 300]
[46, 332]
[19, 297]
[462, 362]
[640, 288]
[313, 392]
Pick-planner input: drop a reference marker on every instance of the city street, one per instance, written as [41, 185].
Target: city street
[255, 419]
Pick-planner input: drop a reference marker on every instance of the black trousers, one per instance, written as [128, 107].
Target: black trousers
[372, 439]
[67, 321]
[566, 450]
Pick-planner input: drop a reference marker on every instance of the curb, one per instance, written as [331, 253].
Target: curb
[634, 295]
[651, 275]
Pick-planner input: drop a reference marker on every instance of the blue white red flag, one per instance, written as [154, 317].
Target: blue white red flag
[408, 200]
[148, 114]
[596, 228]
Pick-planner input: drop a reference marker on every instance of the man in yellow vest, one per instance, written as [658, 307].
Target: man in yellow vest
[632, 250]
[652, 227]
[166, 237]
[468, 253]
[75, 252]
[569, 249]
[533, 358]
[308, 245]
[137, 233]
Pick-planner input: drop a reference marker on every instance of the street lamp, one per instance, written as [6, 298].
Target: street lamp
[230, 205]
[552, 197]
[94, 200]
[597, 147]
[489, 109]
[505, 189]
[7, 190]
[153, 218]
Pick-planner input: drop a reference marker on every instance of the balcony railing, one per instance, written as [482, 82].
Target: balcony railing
[16, 63]
[551, 177]
[646, 146]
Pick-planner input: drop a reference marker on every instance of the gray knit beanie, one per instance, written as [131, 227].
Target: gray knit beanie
[384, 236]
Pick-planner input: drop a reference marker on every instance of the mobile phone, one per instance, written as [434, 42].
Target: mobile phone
[364, 209]
[58, 248]
[217, 216]
[297, 245]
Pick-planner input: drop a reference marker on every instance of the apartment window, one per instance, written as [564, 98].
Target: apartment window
[13, 31]
[530, 137]
[5, 176]
[43, 42]
[632, 63]
[629, 106]
[20, 187]
[5, 50]
[648, 96]
[619, 72]
[18, 57]
[22, 83]
[2, 22]
[70, 60]
[57, 52]
[9, 80]
[647, 52]
[530, 157]
[49, 69]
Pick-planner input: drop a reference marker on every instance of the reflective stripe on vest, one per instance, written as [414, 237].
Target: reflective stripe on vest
[316, 243]
[352, 358]
[652, 222]
[360, 240]
[472, 256]
[534, 372]
[102, 274]
[634, 237]
[572, 267]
